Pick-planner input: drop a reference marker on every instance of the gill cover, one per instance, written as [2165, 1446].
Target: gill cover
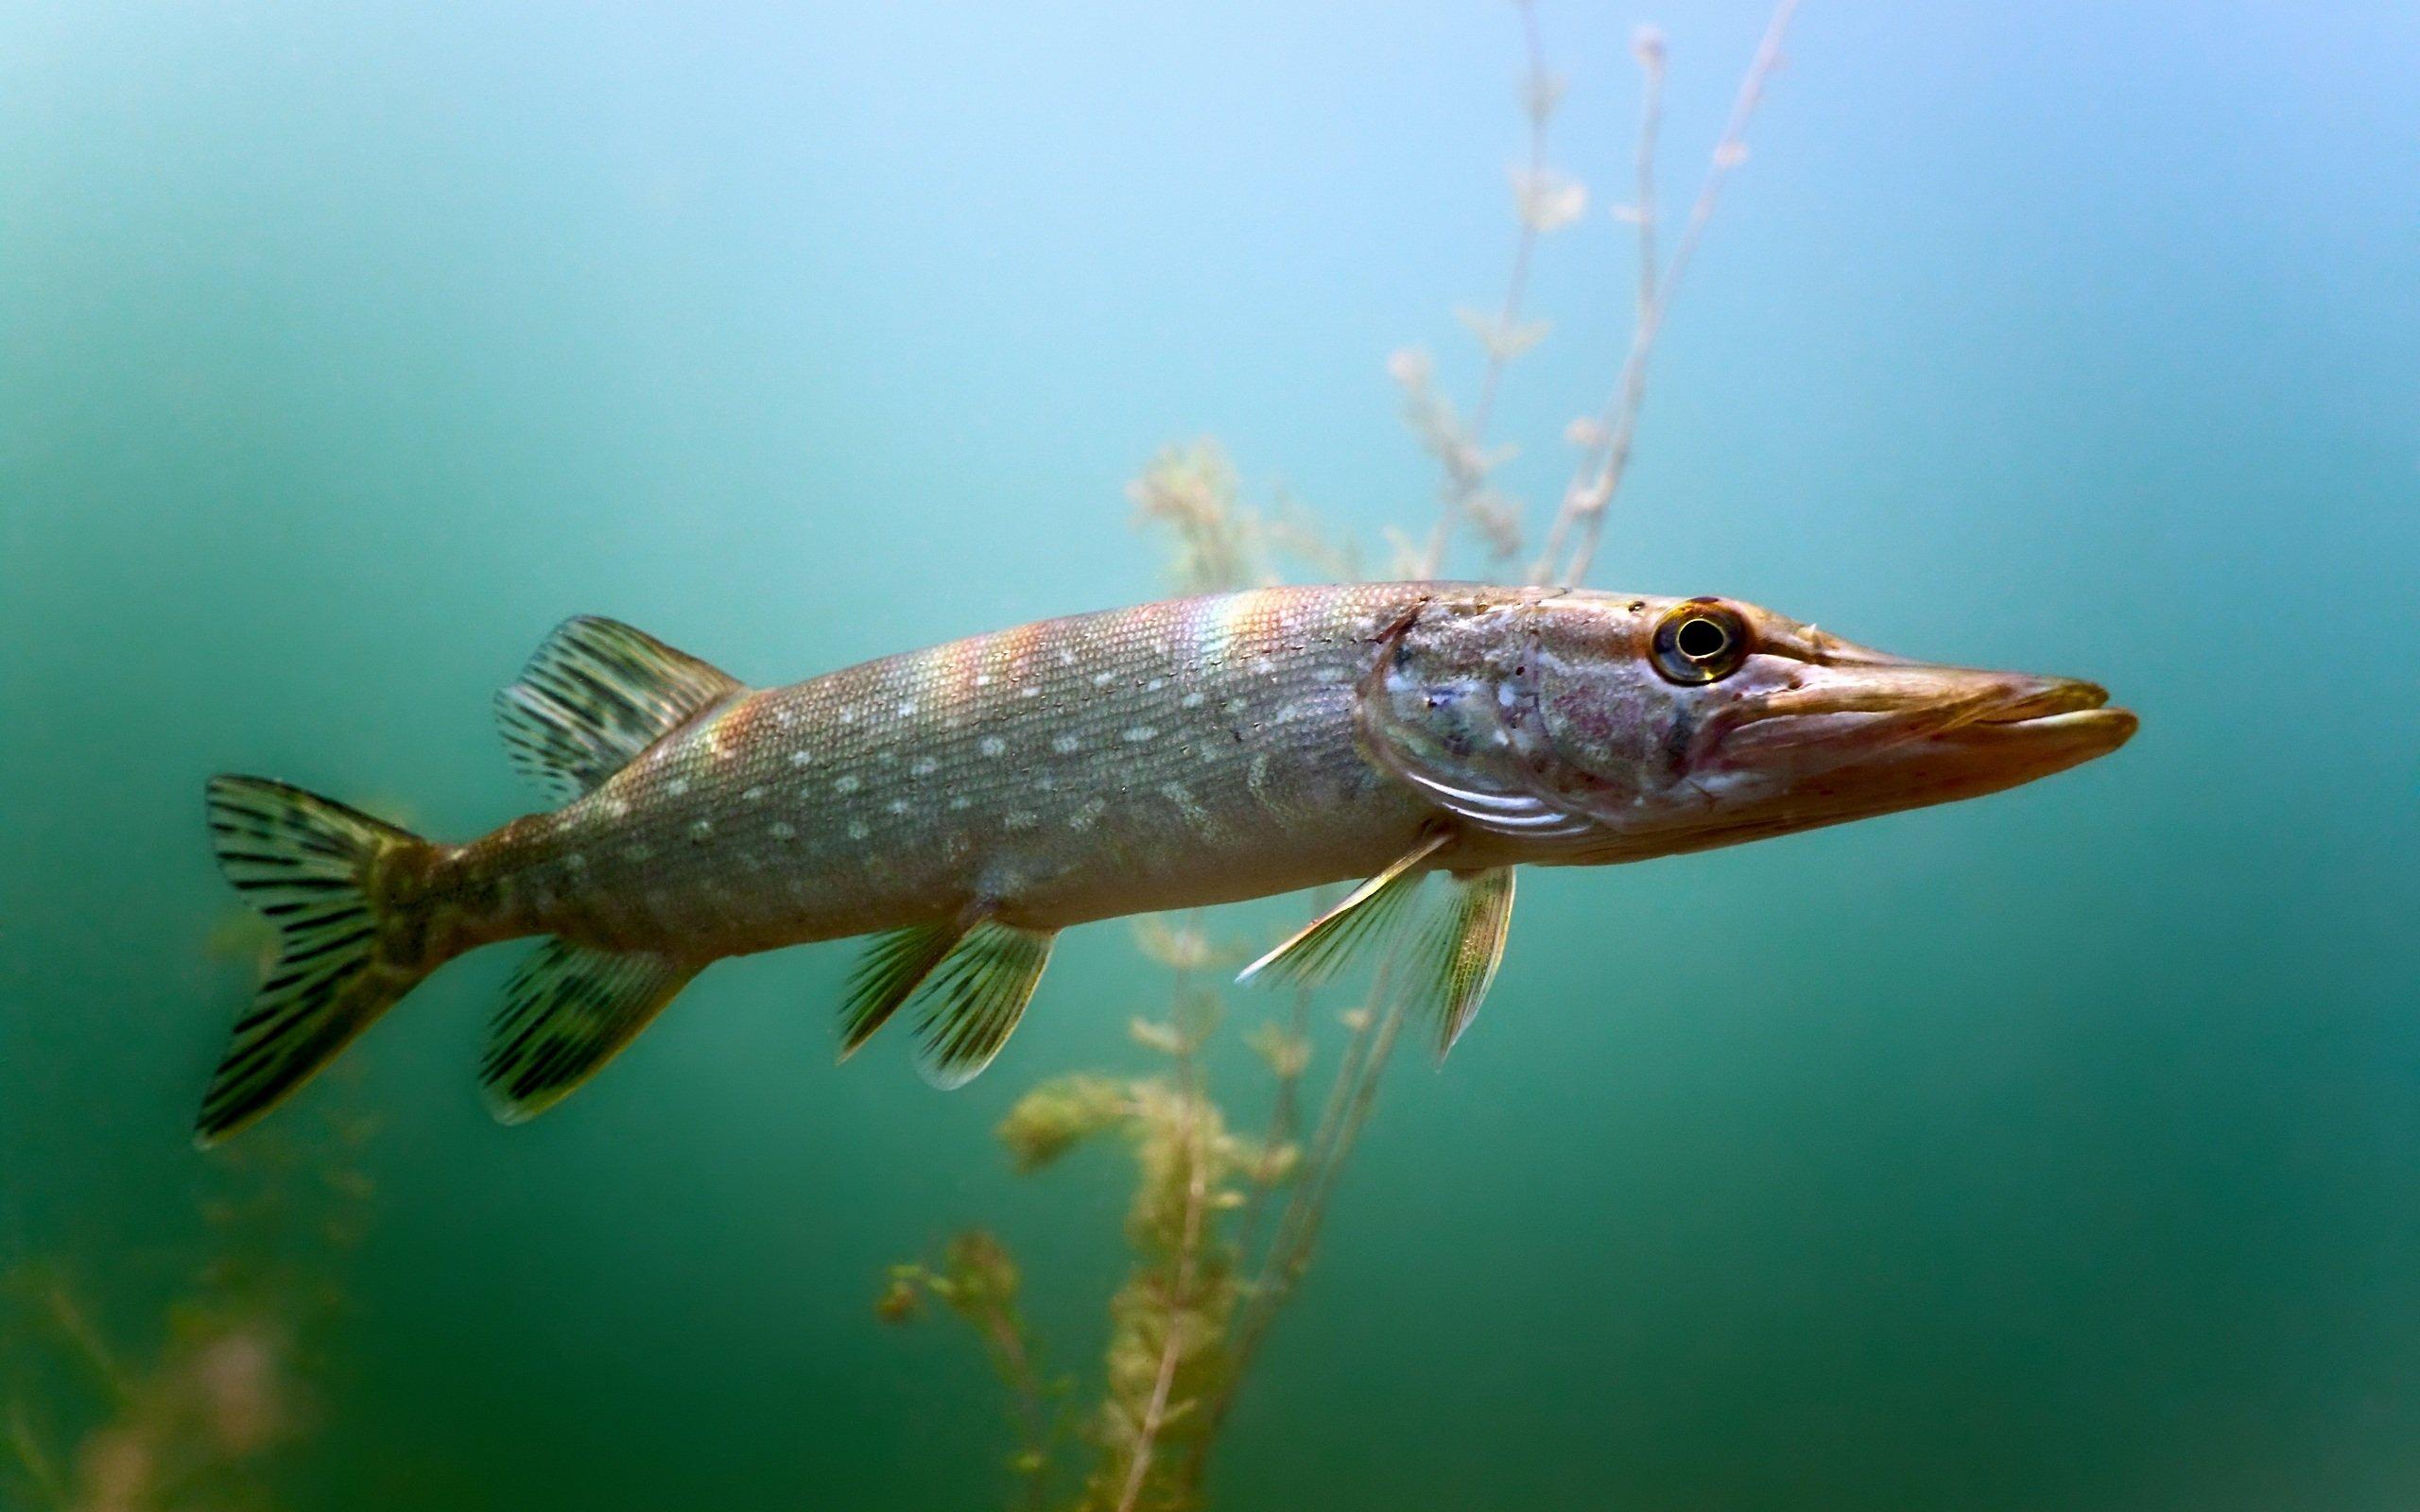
[1451, 706]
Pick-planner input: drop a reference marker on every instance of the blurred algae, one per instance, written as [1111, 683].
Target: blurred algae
[1222, 1226]
[199, 1403]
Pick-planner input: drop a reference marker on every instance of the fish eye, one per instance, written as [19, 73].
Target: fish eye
[1700, 642]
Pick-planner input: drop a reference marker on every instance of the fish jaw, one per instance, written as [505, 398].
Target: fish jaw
[1867, 734]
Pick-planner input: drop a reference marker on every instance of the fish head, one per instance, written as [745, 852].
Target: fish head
[1609, 726]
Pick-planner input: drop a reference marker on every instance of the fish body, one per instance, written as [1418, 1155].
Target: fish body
[964, 804]
[1142, 759]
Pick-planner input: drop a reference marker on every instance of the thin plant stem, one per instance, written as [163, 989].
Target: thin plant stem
[1197, 1202]
[1365, 1095]
[75, 1327]
[1285, 1120]
[1466, 473]
[1350, 1098]
[27, 1446]
[1016, 1368]
[1602, 469]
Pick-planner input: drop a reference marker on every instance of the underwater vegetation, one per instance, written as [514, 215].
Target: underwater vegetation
[201, 1403]
[1222, 1224]
[200, 1406]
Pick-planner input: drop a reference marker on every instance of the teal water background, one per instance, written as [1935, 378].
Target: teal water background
[2060, 1150]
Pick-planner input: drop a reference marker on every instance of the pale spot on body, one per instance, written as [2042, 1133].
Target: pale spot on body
[845, 786]
[908, 709]
[1191, 700]
[1088, 815]
[702, 830]
[1186, 805]
[857, 830]
[754, 795]
[993, 746]
[1137, 735]
[801, 760]
[924, 766]
[780, 830]
[1067, 744]
[897, 805]
[677, 787]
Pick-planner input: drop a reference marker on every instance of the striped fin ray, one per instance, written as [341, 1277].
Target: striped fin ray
[1366, 918]
[974, 1000]
[970, 983]
[569, 1009]
[595, 694]
[886, 975]
[308, 865]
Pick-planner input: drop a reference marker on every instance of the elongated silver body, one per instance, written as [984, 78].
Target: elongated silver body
[1160, 757]
[966, 802]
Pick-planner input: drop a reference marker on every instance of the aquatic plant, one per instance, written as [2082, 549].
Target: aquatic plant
[200, 1405]
[1222, 1227]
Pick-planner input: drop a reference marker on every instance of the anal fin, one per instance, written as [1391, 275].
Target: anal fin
[1366, 918]
[970, 983]
[568, 1010]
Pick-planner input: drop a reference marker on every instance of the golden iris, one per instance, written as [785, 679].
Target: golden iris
[1702, 641]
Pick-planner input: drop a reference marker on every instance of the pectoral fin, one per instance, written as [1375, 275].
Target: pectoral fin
[970, 984]
[1455, 962]
[1452, 956]
[1362, 920]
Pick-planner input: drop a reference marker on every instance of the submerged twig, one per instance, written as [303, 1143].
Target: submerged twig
[1197, 1200]
[1606, 449]
[1460, 446]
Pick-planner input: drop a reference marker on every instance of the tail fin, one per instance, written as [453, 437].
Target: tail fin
[324, 874]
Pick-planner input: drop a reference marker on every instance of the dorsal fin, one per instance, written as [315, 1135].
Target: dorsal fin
[596, 695]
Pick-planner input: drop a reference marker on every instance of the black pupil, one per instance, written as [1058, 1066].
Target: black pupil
[1701, 640]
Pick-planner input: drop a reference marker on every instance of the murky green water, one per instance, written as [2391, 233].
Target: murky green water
[2060, 1150]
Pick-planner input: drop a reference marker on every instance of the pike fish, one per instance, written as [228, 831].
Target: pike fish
[965, 803]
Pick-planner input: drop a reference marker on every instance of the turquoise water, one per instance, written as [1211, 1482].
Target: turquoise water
[2058, 1150]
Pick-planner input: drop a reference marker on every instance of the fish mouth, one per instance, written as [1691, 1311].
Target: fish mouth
[1876, 734]
[2063, 714]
